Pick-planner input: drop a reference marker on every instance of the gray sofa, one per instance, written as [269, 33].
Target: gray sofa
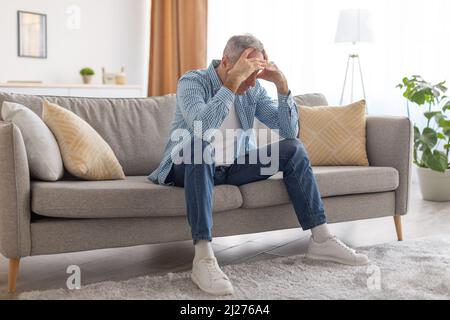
[70, 215]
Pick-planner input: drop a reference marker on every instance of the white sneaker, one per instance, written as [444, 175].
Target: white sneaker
[207, 275]
[336, 251]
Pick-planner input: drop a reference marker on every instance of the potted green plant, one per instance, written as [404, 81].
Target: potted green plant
[432, 143]
[87, 74]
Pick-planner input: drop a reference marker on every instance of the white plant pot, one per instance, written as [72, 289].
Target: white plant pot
[87, 79]
[435, 186]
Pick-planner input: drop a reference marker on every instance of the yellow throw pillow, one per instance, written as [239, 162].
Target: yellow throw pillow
[334, 136]
[84, 152]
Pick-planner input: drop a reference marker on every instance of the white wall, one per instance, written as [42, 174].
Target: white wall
[113, 33]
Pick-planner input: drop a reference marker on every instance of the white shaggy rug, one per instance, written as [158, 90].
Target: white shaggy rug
[416, 269]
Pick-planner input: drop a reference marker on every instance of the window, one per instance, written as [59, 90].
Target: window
[410, 37]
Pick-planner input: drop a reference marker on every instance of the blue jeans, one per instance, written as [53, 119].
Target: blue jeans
[199, 180]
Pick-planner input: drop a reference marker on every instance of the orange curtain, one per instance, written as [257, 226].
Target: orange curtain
[177, 42]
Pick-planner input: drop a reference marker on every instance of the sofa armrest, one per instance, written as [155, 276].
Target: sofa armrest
[15, 214]
[389, 144]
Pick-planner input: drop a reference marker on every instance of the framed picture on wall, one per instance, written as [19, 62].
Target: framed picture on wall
[32, 34]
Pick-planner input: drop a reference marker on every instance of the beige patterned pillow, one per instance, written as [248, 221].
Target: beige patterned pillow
[334, 136]
[84, 152]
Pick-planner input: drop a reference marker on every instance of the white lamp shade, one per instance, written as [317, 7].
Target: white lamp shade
[354, 26]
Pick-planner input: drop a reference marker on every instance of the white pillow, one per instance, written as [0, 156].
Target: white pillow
[44, 157]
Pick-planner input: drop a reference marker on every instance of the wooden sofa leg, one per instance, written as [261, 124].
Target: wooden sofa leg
[398, 227]
[12, 274]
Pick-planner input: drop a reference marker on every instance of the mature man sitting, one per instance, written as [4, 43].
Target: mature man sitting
[228, 96]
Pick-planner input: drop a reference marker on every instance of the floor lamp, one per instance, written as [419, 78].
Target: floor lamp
[353, 26]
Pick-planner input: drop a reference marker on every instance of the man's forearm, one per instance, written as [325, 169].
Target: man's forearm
[233, 82]
[194, 107]
[282, 88]
[287, 115]
[232, 85]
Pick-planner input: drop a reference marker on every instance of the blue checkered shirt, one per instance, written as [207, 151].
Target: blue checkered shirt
[201, 96]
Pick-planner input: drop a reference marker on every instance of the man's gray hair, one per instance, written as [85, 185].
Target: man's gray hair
[239, 43]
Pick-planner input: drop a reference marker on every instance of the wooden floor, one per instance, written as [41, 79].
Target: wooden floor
[47, 272]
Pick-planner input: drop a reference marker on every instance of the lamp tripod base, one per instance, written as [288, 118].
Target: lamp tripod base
[351, 59]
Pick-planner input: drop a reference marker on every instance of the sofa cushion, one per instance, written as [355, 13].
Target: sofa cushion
[334, 136]
[332, 181]
[44, 157]
[85, 153]
[311, 100]
[133, 197]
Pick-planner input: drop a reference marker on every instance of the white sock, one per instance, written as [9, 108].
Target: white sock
[321, 233]
[203, 249]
